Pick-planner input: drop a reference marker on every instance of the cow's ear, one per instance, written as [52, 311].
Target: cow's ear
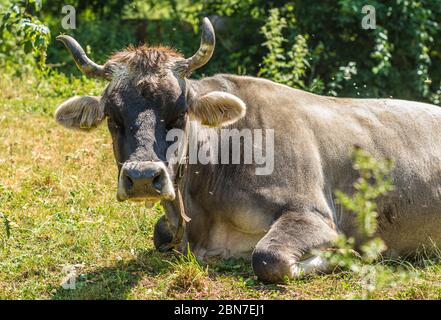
[217, 109]
[80, 113]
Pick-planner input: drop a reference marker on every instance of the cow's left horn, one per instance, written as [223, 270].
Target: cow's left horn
[206, 49]
[86, 65]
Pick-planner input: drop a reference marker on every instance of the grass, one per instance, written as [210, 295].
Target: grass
[58, 208]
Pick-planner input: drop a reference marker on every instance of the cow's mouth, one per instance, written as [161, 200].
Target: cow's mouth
[144, 181]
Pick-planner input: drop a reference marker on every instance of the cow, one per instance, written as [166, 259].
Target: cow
[276, 220]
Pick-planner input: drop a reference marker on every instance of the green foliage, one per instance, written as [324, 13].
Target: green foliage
[23, 33]
[382, 52]
[400, 58]
[319, 47]
[395, 59]
[282, 65]
[59, 84]
[374, 182]
[95, 9]
[342, 75]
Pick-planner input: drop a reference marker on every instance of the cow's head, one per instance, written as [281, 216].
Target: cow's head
[147, 95]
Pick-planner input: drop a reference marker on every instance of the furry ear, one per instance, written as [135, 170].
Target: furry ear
[217, 109]
[80, 113]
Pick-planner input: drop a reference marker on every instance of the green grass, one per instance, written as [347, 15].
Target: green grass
[58, 208]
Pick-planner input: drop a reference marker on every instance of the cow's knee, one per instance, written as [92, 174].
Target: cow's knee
[269, 266]
[162, 234]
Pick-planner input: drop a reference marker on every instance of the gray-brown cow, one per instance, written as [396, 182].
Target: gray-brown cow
[276, 219]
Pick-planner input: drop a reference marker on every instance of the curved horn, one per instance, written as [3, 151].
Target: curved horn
[86, 65]
[206, 49]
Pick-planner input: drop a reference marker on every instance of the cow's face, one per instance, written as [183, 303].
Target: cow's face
[140, 106]
[148, 95]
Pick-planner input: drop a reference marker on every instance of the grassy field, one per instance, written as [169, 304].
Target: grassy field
[58, 208]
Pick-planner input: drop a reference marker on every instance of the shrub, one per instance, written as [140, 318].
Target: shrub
[22, 34]
[287, 66]
[374, 181]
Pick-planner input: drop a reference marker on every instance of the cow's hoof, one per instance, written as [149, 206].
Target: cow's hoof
[269, 266]
[162, 235]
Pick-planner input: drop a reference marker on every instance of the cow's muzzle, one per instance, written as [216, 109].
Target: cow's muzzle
[145, 180]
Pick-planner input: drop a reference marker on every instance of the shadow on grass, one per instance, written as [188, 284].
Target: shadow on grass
[116, 281]
[240, 268]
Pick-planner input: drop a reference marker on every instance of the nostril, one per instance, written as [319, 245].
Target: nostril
[128, 182]
[156, 182]
[145, 179]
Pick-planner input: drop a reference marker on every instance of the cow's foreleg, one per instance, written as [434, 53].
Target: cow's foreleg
[286, 249]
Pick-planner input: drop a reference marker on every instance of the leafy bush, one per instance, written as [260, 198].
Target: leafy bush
[22, 33]
[401, 58]
[320, 47]
[281, 65]
[374, 181]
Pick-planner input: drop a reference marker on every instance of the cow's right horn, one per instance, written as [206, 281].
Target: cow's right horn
[86, 65]
[206, 49]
